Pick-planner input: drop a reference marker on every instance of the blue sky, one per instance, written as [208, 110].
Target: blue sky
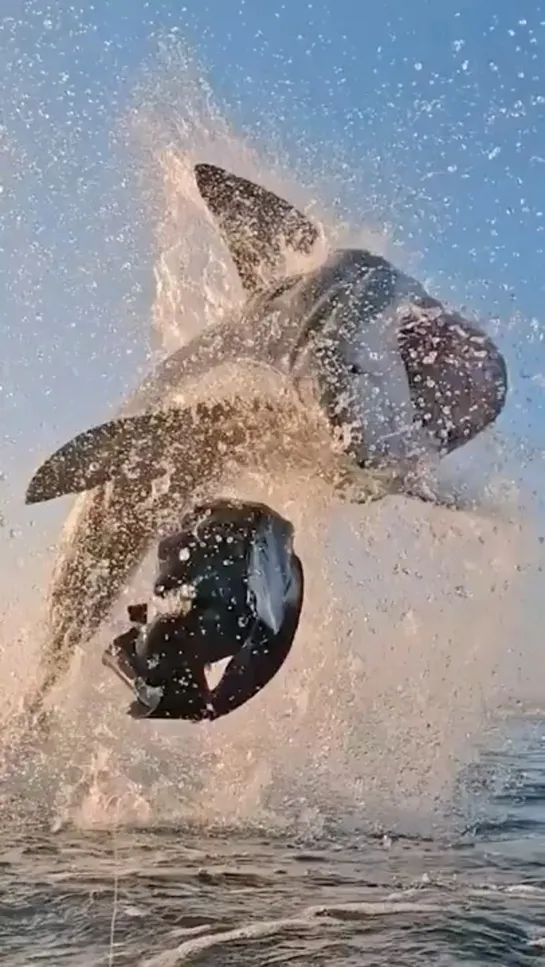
[428, 117]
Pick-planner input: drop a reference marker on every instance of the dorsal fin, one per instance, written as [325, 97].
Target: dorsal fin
[258, 227]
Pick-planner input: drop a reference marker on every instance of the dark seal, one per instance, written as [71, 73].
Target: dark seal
[230, 586]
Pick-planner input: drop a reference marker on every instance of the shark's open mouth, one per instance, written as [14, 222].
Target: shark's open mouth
[457, 376]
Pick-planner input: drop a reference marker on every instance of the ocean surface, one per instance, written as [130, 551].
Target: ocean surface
[331, 891]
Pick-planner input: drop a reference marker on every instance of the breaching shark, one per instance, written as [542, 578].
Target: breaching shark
[395, 380]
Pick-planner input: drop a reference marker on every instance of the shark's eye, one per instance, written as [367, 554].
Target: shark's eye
[356, 370]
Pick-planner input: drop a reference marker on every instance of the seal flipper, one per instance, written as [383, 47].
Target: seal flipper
[257, 226]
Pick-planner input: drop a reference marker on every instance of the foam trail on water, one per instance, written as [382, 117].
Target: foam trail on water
[406, 641]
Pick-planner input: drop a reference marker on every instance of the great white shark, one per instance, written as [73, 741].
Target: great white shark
[392, 380]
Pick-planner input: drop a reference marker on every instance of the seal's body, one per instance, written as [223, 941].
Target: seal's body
[231, 586]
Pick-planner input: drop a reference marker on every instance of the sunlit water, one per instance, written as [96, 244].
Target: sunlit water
[323, 892]
[374, 805]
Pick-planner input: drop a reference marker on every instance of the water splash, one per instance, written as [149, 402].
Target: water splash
[406, 643]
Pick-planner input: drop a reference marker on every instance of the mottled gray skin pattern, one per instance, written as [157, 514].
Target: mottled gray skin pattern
[332, 334]
[333, 331]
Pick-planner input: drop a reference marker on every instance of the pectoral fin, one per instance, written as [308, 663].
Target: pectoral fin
[143, 446]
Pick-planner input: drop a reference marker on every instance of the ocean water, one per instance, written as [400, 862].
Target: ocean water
[325, 891]
[383, 800]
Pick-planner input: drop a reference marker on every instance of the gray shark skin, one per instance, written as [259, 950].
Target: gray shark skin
[396, 378]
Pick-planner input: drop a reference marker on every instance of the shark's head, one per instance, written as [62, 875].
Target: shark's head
[395, 370]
